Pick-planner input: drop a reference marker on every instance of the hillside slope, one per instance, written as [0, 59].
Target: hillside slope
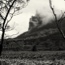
[45, 38]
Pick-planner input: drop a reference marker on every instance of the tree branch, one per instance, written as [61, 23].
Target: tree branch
[61, 32]
[8, 13]
[62, 17]
[1, 16]
[9, 20]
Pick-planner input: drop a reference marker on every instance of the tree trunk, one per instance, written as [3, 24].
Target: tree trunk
[2, 41]
[53, 11]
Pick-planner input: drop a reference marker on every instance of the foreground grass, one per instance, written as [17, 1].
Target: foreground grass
[31, 62]
[33, 58]
[43, 55]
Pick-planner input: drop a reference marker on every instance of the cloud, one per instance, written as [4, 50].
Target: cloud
[43, 9]
[59, 4]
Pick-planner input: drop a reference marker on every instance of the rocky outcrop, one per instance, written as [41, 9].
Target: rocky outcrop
[35, 22]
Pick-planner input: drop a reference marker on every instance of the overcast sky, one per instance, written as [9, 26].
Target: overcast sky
[42, 7]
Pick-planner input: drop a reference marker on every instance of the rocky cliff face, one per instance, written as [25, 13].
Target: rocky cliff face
[35, 22]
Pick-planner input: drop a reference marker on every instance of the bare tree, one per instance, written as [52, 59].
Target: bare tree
[58, 22]
[7, 10]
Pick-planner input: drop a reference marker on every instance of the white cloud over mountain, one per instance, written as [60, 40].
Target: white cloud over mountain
[43, 9]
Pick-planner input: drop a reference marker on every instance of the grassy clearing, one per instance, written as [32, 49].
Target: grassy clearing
[43, 55]
[32, 62]
[33, 58]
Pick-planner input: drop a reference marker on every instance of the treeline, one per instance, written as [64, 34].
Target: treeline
[50, 43]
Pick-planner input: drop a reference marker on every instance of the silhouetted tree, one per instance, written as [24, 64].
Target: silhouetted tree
[57, 20]
[7, 11]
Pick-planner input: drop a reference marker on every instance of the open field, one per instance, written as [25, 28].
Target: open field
[32, 58]
[33, 55]
[31, 62]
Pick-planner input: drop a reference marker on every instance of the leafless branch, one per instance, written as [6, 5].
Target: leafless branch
[9, 20]
[62, 18]
[12, 28]
[8, 13]
[52, 10]
[1, 16]
[13, 14]
[5, 22]
[56, 20]
[20, 9]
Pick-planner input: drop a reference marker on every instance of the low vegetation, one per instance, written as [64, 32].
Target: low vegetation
[33, 58]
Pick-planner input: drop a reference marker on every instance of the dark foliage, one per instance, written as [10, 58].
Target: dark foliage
[51, 42]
